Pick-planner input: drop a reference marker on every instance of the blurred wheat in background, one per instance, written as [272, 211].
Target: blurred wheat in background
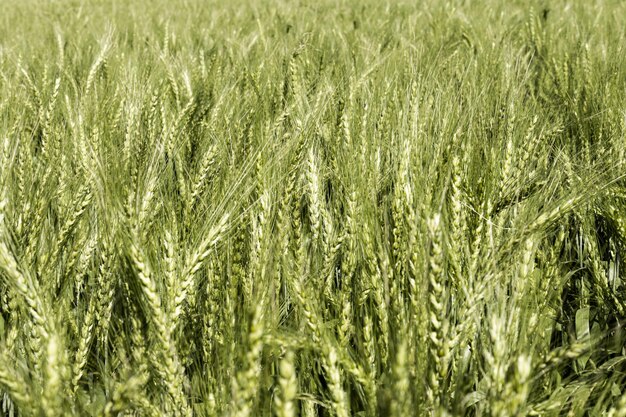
[334, 208]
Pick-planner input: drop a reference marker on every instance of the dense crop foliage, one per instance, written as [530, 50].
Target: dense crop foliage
[326, 209]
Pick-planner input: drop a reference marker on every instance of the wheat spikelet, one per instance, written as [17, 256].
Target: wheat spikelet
[171, 367]
[401, 386]
[315, 205]
[311, 319]
[15, 385]
[331, 248]
[97, 64]
[83, 262]
[170, 259]
[81, 203]
[55, 376]
[106, 288]
[204, 174]
[339, 400]
[438, 323]
[124, 394]
[86, 336]
[29, 292]
[370, 350]
[246, 382]
[194, 264]
[45, 130]
[60, 44]
[285, 404]
[348, 266]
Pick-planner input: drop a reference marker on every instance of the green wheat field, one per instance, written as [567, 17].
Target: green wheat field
[312, 208]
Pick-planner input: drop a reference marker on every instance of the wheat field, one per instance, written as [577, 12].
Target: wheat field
[333, 208]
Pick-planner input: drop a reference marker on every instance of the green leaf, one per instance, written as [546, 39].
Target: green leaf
[473, 398]
[582, 323]
[579, 401]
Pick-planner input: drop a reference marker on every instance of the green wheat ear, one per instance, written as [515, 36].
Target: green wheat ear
[342, 208]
